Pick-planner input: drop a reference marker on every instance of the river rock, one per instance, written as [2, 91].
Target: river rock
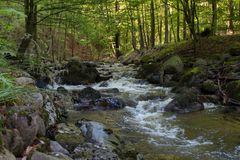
[97, 133]
[173, 65]
[56, 147]
[37, 100]
[24, 81]
[29, 126]
[87, 94]
[6, 155]
[186, 101]
[109, 103]
[80, 73]
[13, 141]
[69, 136]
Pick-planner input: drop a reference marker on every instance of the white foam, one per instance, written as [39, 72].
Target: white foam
[209, 105]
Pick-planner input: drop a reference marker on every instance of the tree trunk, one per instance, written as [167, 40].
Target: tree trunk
[184, 28]
[144, 28]
[214, 17]
[30, 10]
[160, 30]
[140, 28]
[166, 20]
[134, 41]
[178, 21]
[117, 35]
[152, 24]
[231, 16]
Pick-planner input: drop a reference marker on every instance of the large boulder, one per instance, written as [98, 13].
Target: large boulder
[97, 133]
[56, 147]
[173, 65]
[80, 73]
[88, 93]
[162, 72]
[185, 101]
[24, 81]
[194, 76]
[29, 126]
[109, 103]
[69, 136]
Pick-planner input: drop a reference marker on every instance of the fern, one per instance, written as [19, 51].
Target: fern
[8, 91]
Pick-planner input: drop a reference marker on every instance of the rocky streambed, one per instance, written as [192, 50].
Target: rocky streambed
[111, 114]
[143, 120]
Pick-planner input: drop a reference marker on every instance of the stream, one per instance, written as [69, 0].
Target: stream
[205, 135]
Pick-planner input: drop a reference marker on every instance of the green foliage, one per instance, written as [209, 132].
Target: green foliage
[8, 91]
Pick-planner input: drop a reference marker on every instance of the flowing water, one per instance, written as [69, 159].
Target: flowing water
[207, 135]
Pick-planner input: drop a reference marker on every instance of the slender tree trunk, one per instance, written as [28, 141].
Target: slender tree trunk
[214, 17]
[117, 35]
[134, 41]
[144, 28]
[140, 28]
[152, 24]
[65, 42]
[166, 20]
[184, 28]
[231, 15]
[178, 21]
[160, 30]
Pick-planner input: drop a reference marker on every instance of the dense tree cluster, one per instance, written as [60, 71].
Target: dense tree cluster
[60, 28]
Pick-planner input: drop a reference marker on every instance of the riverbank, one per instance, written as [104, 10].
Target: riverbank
[212, 71]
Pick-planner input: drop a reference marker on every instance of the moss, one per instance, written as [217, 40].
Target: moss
[233, 89]
[174, 64]
[147, 59]
[193, 76]
[69, 141]
[191, 72]
[209, 86]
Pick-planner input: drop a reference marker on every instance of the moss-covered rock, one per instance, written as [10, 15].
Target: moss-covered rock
[185, 101]
[235, 49]
[233, 89]
[69, 136]
[173, 65]
[194, 76]
[209, 86]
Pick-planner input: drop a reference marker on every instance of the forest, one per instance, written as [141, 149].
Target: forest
[120, 79]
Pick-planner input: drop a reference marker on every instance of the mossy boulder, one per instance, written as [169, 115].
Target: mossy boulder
[233, 89]
[173, 65]
[209, 86]
[185, 101]
[194, 76]
[80, 73]
[69, 136]
[235, 49]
